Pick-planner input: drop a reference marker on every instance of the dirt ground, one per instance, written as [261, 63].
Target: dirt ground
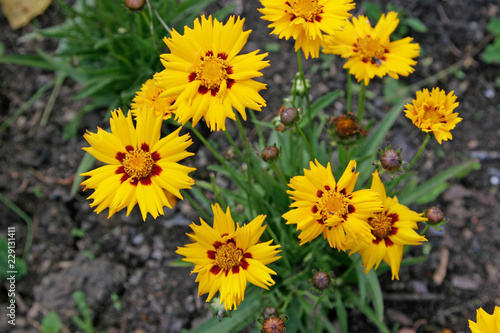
[126, 256]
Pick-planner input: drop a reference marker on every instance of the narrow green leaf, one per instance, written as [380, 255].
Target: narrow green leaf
[341, 311]
[85, 165]
[436, 182]
[247, 312]
[376, 294]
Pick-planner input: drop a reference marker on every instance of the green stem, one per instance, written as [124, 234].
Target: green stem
[309, 147]
[419, 152]
[52, 99]
[361, 102]
[424, 230]
[398, 180]
[221, 159]
[306, 90]
[257, 127]
[349, 92]
[280, 174]
[249, 166]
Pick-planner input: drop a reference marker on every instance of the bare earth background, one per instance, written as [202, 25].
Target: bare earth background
[131, 257]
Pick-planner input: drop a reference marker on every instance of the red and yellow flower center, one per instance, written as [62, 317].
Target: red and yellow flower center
[331, 203]
[228, 256]
[370, 50]
[383, 227]
[212, 71]
[138, 163]
[309, 10]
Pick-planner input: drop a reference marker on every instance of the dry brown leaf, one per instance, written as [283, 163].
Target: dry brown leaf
[20, 12]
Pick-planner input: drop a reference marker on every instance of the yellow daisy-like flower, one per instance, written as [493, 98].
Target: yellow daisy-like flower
[149, 96]
[370, 51]
[226, 257]
[393, 228]
[306, 20]
[209, 78]
[140, 167]
[433, 112]
[486, 323]
[329, 207]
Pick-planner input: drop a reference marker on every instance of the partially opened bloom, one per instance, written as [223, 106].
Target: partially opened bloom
[208, 76]
[323, 205]
[486, 323]
[227, 256]
[149, 97]
[306, 20]
[433, 112]
[140, 167]
[370, 51]
[392, 229]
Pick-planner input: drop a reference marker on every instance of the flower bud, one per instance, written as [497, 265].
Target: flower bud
[135, 4]
[270, 154]
[434, 215]
[289, 116]
[391, 160]
[321, 280]
[274, 325]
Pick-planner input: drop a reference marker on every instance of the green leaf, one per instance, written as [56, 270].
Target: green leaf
[416, 24]
[321, 104]
[51, 323]
[85, 165]
[493, 26]
[437, 181]
[247, 312]
[376, 294]
[491, 54]
[20, 268]
[340, 310]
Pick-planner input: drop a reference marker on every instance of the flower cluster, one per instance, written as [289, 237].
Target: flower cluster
[364, 221]
[206, 78]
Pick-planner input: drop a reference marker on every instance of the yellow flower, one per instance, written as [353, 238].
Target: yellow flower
[205, 71]
[370, 51]
[329, 207]
[433, 112]
[226, 257]
[393, 228]
[306, 20]
[486, 323]
[149, 96]
[140, 167]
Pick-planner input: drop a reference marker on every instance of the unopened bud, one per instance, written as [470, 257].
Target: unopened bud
[391, 160]
[274, 325]
[289, 116]
[135, 4]
[321, 280]
[434, 215]
[270, 154]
